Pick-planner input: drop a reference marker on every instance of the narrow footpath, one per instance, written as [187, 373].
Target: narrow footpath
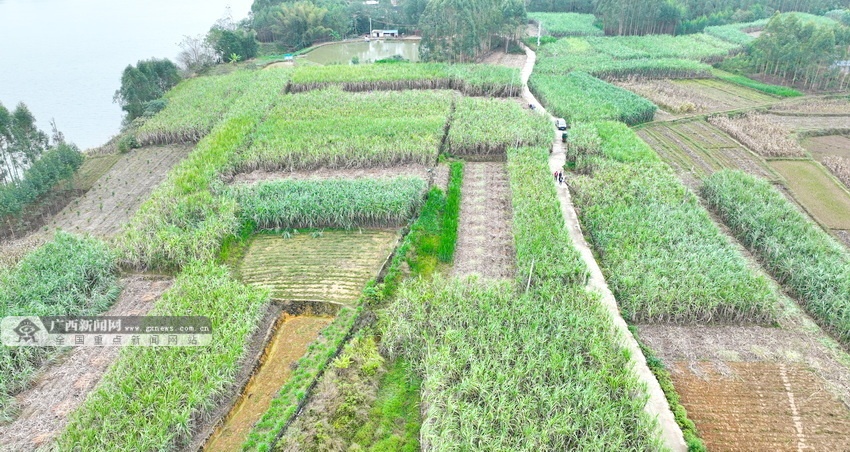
[657, 405]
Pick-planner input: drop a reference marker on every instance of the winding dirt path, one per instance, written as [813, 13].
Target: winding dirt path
[657, 405]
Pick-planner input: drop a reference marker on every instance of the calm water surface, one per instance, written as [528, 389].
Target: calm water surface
[367, 52]
[64, 58]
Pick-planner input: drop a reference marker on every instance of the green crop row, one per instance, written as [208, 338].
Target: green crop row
[579, 97]
[664, 258]
[487, 127]
[541, 241]
[516, 371]
[736, 33]
[152, 398]
[470, 79]
[567, 24]
[690, 47]
[334, 129]
[775, 90]
[450, 217]
[334, 203]
[68, 275]
[194, 107]
[796, 251]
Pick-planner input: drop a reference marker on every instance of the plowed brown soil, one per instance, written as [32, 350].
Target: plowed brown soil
[485, 243]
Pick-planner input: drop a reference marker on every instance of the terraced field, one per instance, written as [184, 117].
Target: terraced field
[696, 96]
[696, 149]
[722, 95]
[824, 198]
[117, 194]
[330, 266]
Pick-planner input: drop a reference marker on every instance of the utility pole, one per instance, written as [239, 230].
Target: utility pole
[539, 28]
[370, 25]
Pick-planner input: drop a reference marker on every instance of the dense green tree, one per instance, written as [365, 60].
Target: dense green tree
[461, 30]
[21, 142]
[147, 81]
[298, 25]
[239, 43]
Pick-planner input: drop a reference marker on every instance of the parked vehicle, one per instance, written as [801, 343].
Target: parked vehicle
[561, 124]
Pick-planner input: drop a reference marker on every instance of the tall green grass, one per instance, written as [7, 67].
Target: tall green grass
[68, 275]
[522, 372]
[485, 128]
[798, 253]
[451, 214]
[579, 97]
[774, 90]
[664, 258]
[152, 398]
[335, 203]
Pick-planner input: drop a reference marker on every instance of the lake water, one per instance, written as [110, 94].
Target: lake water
[64, 58]
[367, 52]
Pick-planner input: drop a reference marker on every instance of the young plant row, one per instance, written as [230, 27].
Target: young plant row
[152, 398]
[567, 24]
[333, 203]
[470, 79]
[69, 275]
[796, 251]
[486, 128]
[334, 129]
[664, 258]
[580, 97]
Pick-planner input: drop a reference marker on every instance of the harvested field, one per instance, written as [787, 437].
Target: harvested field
[421, 171]
[331, 266]
[835, 106]
[840, 124]
[11, 251]
[760, 133]
[720, 95]
[64, 384]
[828, 145]
[696, 149]
[821, 196]
[117, 194]
[485, 242]
[291, 339]
[840, 168]
[676, 99]
[737, 384]
[501, 58]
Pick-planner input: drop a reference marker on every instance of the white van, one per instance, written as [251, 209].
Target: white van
[561, 124]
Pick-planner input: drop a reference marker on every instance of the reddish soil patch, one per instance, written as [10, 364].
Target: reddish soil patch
[485, 243]
[64, 384]
[289, 343]
[324, 173]
[118, 193]
[761, 406]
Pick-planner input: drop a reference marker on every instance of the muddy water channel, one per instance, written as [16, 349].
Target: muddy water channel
[289, 343]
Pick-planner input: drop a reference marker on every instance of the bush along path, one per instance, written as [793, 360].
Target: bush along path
[657, 405]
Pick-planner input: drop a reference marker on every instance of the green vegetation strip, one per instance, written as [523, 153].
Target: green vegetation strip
[335, 129]
[152, 398]
[774, 90]
[567, 24]
[470, 79]
[664, 258]
[334, 203]
[579, 97]
[451, 214]
[484, 127]
[69, 275]
[800, 255]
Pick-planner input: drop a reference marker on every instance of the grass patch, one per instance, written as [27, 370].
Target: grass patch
[824, 198]
[451, 214]
[567, 24]
[483, 127]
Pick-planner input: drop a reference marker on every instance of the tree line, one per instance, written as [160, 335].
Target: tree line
[29, 165]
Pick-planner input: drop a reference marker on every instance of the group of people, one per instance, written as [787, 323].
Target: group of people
[559, 177]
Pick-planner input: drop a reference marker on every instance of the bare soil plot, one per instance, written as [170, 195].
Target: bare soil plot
[289, 343]
[719, 95]
[485, 243]
[807, 123]
[738, 383]
[761, 406]
[421, 171]
[698, 149]
[819, 194]
[64, 384]
[118, 193]
[501, 58]
[820, 147]
[329, 266]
